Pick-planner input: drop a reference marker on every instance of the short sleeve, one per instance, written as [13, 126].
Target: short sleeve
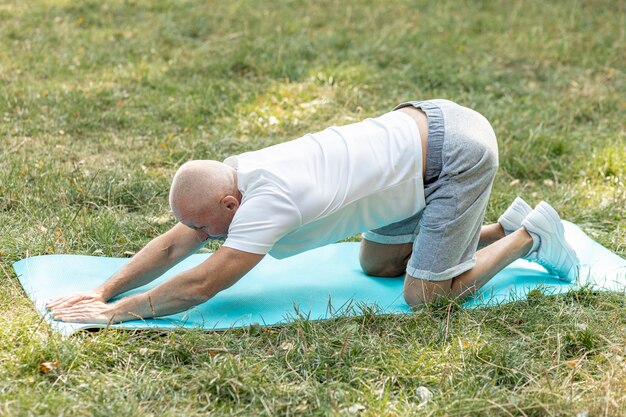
[263, 218]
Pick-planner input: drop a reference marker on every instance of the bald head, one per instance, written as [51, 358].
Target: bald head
[200, 186]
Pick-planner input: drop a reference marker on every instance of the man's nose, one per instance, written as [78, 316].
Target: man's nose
[202, 235]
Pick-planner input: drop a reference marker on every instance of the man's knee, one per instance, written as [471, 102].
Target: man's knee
[382, 260]
[420, 291]
[381, 268]
[414, 292]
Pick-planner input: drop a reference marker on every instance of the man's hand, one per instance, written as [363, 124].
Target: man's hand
[187, 289]
[70, 300]
[87, 310]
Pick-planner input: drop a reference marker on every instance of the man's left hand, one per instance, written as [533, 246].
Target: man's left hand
[88, 311]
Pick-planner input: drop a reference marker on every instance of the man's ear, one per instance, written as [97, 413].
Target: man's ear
[230, 203]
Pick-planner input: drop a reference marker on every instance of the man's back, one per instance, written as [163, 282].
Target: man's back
[326, 186]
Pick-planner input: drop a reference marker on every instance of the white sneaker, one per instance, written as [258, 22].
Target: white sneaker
[512, 218]
[553, 252]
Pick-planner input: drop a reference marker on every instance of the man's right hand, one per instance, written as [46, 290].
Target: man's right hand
[73, 299]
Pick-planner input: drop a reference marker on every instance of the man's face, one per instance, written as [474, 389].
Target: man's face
[207, 225]
[209, 221]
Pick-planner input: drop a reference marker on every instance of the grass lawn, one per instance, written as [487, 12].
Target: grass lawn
[100, 102]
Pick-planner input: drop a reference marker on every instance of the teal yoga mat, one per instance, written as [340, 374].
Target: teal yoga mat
[319, 284]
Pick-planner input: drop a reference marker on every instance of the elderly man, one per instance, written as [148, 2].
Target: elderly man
[416, 180]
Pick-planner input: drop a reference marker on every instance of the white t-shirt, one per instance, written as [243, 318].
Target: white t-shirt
[326, 186]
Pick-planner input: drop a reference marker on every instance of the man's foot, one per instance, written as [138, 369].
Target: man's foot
[513, 217]
[552, 251]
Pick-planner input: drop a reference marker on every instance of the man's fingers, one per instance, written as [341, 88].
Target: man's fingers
[77, 306]
[73, 319]
[82, 301]
[60, 305]
[70, 309]
[68, 301]
[84, 309]
[81, 317]
[56, 301]
[71, 315]
[66, 308]
[52, 306]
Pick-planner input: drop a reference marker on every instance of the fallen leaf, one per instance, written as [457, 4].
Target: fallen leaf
[356, 408]
[46, 367]
[286, 346]
[302, 407]
[217, 351]
[572, 363]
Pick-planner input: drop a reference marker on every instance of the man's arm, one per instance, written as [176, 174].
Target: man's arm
[187, 289]
[158, 256]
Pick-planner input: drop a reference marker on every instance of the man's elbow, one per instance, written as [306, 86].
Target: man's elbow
[167, 251]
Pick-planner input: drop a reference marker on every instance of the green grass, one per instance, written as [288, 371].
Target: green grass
[100, 102]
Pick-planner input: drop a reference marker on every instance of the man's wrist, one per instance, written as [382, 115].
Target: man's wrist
[102, 294]
[105, 292]
[130, 308]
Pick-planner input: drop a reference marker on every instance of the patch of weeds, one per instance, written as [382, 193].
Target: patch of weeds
[583, 296]
[502, 365]
[253, 330]
[535, 297]
[443, 307]
[582, 341]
